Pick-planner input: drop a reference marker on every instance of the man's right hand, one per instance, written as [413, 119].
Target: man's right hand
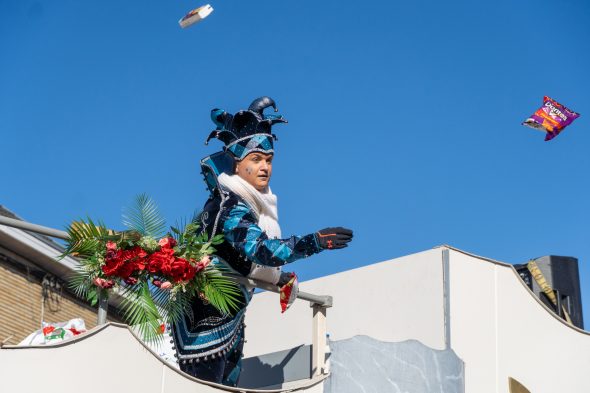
[332, 238]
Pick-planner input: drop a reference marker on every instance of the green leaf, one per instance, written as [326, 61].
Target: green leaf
[220, 291]
[84, 238]
[217, 239]
[179, 230]
[93, 296]
[140, 311]
[172, 309]
[78, 282]
[144, 217]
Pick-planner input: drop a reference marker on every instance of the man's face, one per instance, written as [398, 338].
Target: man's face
[256, 169]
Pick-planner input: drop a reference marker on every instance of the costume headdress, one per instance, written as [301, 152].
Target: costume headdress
[246, 131]
[242, 133]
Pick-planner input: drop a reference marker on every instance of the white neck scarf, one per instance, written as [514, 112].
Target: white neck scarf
[263, 204]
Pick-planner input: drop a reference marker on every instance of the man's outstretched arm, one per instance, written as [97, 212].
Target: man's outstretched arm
[242, 232]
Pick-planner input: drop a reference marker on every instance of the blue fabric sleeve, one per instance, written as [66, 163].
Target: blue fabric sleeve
[242, 232]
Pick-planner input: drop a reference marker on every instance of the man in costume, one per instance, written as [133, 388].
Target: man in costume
[242, 208]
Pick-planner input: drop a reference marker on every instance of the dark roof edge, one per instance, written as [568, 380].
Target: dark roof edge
[4, 211]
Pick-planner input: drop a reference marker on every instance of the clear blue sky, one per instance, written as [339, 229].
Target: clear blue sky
[404, 117]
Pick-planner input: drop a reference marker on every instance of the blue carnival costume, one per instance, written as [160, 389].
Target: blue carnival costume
[209, 344]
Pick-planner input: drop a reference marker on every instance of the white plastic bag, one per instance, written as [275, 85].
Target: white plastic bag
[55, 332]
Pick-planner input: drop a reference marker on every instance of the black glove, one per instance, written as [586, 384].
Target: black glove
[284, 279]
[331, 238]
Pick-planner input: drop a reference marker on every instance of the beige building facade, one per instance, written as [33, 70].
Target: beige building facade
[34, 285]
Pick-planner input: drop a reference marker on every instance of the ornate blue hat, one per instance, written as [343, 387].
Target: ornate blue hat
[246, 131]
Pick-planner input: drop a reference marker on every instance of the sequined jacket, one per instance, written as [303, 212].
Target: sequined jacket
[208, 333]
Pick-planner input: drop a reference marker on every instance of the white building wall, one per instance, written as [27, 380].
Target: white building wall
[534, 346]
[501, 330]
[391, 301]
[93, 363]
[473, 320]
[497, 326]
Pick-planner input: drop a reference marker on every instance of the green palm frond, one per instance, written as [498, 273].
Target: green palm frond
[220, 291]
[144, 217]
[173, 309]
[141, 312]
[83, 248]
[84, 237]
[79, 282]
[179, 229]
[191, 227]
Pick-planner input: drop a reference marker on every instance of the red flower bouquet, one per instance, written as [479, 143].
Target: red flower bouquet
[156, 275]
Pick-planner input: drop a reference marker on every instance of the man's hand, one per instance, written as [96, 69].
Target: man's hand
[331, 238]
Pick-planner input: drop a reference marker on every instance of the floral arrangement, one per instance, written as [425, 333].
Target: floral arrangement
[156, 273]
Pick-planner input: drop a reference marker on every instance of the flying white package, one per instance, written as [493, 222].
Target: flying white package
[195, 16]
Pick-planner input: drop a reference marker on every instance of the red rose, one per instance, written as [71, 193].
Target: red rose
[166, 267]
[113, 263]
[189, 273]
[167, 242]
[139, 256]
[157, 283]
[176, 269]
[131, 280]
[182, 270]
[168, 252]
[140, 264]
[111, 246]
[123, 263]
[126, 269]
[139, 252]
[154, 263]
[137, 260]
[157, 261]
[128, 255]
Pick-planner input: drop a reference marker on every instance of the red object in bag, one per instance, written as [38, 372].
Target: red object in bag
[288, 292]
[48, 329]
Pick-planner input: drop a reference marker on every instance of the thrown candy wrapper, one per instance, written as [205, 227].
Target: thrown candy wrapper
[55, 332]
[288, 292]
[551, 118]
[195, 16]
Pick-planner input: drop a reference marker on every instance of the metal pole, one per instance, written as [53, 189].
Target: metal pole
[103, 306]
[27, 226]
[324, 301]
